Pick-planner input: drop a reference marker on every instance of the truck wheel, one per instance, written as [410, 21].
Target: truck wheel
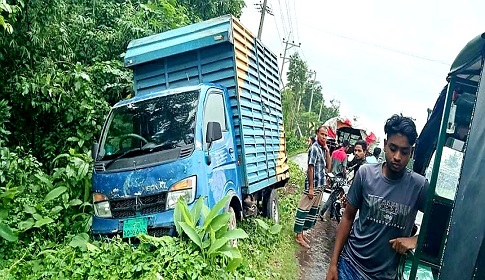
[232, 224]
[271, 206]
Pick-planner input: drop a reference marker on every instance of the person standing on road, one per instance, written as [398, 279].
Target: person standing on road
[388, 197]
[339, 160]
[339, 168]
[318, 164]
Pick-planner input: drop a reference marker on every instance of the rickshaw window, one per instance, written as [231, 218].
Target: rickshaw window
[449, 172]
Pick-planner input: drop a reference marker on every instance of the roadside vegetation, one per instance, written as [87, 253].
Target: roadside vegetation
[62, 69]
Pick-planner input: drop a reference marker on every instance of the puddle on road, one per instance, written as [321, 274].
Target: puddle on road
[314, 261]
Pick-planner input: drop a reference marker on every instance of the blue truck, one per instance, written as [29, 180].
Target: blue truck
[206, 120]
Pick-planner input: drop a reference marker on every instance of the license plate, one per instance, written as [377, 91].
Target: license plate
[135, 226]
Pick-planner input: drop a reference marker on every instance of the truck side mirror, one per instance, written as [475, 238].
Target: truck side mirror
[94, 151]
[214, 132]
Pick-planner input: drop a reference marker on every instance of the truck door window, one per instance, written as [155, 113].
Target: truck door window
[214, 111]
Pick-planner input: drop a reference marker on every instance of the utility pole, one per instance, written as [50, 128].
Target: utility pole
[288, 45]
[263, 8]
[314, 73]
[320, 112]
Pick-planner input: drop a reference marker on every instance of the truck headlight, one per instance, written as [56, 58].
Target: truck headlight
[101, 205]
[185, 188]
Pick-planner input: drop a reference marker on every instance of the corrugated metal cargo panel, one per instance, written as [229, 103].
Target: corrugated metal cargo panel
[213, 64]
[261, 113]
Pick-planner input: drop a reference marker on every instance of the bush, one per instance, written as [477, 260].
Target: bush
[295, 145]
[154, 258]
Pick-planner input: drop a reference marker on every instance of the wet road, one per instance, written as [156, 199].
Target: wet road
[314, 261]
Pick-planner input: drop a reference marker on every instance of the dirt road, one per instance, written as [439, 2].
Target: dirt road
[314, 261]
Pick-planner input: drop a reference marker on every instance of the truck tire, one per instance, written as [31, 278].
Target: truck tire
[271, 206]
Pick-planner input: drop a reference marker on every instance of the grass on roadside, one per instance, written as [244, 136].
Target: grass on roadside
[273, 256]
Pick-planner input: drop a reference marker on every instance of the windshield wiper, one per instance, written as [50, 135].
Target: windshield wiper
[164, 146]
[121, 156]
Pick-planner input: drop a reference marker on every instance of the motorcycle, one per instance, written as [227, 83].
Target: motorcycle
[338, 206]
[338, 188]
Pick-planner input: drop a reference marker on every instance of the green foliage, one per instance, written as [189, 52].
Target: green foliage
[209, 230]
[10, 10]
[63, 66]
[42, 208]
[298, 176]
[304, 93]
[294, 144]
[271, 255]
[4, 119]
[274, 229]
[206, 9]
[154, 258]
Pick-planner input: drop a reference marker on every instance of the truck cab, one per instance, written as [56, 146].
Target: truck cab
[158, 147]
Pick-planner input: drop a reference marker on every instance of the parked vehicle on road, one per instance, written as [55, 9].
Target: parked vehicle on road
[449, 151]
[206, 120]
[341, 128]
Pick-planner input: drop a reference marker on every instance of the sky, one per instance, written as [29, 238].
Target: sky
[377, 57]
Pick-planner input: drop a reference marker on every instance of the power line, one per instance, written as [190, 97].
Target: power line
[290, 22]
[282, 18]
[384, 47]
[278, 30]
[296, 21]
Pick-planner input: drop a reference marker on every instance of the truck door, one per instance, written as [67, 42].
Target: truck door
[221, 170]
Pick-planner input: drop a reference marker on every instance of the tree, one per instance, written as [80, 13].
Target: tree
[302, 85]
[10, 11]
[63, 67]
[206, 9]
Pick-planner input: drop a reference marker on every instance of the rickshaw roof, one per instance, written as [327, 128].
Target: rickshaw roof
[467, 63]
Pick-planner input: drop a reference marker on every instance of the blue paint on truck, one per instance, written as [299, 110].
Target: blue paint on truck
[154, 148]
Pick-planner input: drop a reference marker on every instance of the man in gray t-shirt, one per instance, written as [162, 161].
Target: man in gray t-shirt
[388, 197]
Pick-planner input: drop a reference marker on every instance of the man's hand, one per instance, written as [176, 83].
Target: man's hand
[332, 273]
[310, 193]
[403, 244]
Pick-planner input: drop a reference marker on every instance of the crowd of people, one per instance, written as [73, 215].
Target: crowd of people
[382, 190]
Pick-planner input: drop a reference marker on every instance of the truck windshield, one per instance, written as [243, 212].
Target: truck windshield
[150, 125]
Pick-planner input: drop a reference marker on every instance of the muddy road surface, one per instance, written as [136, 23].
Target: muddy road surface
[314, 261]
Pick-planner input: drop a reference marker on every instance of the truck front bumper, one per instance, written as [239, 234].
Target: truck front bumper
[159, 224]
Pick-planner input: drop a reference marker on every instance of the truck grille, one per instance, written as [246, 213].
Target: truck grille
[128, 207]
